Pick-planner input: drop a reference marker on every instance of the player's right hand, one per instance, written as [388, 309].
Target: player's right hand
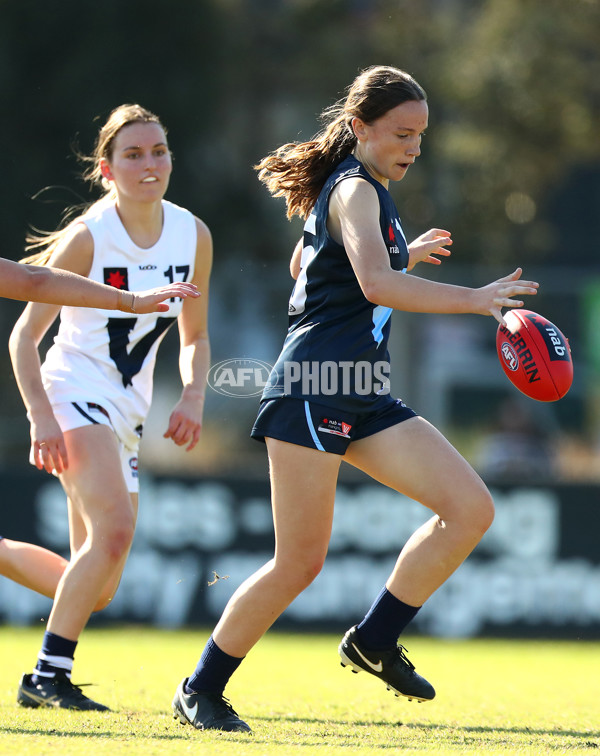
[153, 300]
[48, 447]
[498, 294]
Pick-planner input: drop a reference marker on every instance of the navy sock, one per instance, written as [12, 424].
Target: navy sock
[56, 655]
[213, 671]
[385, 620]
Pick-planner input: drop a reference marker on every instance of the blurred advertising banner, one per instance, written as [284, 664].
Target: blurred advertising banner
[536, 573]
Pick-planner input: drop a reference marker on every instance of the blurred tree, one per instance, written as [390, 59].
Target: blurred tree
[520, 97]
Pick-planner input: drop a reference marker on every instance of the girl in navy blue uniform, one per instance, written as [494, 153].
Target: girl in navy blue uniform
[328, 395]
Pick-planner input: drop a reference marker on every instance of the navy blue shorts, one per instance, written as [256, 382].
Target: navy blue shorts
[317, 426]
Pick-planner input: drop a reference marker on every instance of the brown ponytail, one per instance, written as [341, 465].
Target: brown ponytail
[298, 171]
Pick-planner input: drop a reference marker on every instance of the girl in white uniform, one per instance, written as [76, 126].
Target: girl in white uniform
[88, 401]
[25, 563]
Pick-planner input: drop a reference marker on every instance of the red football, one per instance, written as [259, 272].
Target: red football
[535, 355]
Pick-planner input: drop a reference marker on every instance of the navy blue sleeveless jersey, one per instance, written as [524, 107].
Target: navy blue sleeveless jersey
[335, 351]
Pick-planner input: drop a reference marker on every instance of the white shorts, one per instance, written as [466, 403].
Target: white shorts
[71, 415]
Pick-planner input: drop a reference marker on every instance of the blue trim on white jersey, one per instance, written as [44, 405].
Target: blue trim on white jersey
[311, 427]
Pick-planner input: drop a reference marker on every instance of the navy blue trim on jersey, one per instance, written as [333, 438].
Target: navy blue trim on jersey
[334, 331]
[98, 408]
[129, 361]
[85, 414]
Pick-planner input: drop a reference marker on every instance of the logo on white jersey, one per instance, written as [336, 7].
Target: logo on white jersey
[116, 277]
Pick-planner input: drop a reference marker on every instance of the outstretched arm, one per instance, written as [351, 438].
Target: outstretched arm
[36, 283]
[354, 213]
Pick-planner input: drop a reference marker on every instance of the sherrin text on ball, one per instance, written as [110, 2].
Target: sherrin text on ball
[535, 355]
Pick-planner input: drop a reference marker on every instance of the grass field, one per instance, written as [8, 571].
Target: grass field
[493, 697]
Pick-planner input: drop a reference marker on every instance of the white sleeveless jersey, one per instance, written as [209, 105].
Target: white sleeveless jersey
[108, 356]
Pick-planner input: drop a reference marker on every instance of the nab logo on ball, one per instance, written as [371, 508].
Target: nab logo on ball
[535, 355]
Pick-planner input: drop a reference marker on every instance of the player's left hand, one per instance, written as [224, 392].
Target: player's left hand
[424, 247]
[185, 422]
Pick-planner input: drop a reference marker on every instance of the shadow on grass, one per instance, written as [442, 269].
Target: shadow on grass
[106, 734]
[479, 730]
[254, 738]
